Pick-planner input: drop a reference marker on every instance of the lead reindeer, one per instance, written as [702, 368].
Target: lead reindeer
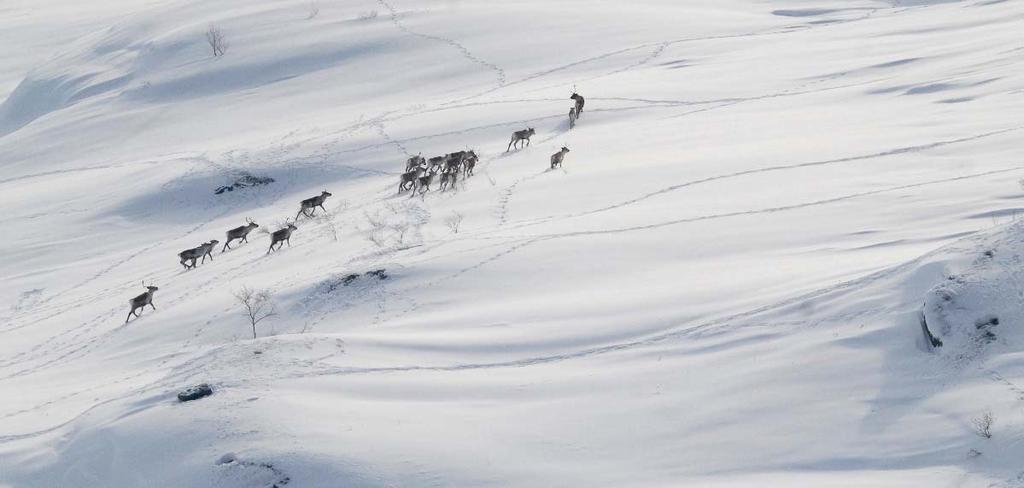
[312, 203]
[519, 136]
[141, 301]
[556, 158]
[282, 236]
[239, 233]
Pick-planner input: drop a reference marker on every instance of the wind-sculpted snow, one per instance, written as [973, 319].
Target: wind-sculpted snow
[783, 250]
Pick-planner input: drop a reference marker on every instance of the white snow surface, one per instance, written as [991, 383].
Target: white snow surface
[723, 286]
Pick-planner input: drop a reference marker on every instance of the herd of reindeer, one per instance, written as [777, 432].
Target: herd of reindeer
[419, 174]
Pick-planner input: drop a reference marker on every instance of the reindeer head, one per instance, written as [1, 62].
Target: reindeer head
[531, 131]
[150, 288]
[250, 224]
[565, 149]
[213, 242]
[325, 194]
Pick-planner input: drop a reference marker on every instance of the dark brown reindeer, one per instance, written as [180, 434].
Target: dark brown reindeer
[469, 164]
[239, 233]
[312, 203]
[579, 103]
[141, 301]
[282, 236]
[519, 136]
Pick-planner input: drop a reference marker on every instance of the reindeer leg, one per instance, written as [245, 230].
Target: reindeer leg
[126, 319]
[151, 305]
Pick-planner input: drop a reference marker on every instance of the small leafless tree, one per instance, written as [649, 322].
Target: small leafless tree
[215, 38]
[257, 305]
[314, 10]
[367, 15]
[983, 424]
[453, 222]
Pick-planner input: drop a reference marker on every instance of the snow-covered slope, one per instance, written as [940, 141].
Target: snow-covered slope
[724, 285]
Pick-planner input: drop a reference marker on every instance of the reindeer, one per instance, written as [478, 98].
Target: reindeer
[282, 236]
[572, 117]
[312, 203]
[197, 252]
[579, 103]
[436, 163]
[191, 255]
[414, 161]
[520, 135]
[408, 179]
[141, 301]
[448, 179]
[423, 183]
[207, 250]
[239, 233]
[454, 161]
[469, 164]
[556, 158]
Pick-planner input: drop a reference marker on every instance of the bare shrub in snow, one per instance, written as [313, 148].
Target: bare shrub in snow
[257, 305]
[453, 222]
[314, 10]
[215, 38]
[983, 424]
[395, 224]
[367, 15]
[327, 219]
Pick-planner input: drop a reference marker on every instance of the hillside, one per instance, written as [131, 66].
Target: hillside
[723, 285]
